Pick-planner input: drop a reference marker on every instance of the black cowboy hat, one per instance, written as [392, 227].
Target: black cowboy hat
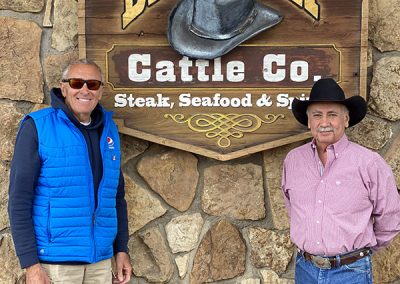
[327, 90]
[208, 29]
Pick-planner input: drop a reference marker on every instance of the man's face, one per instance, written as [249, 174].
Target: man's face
[82, 101]
[327, 122]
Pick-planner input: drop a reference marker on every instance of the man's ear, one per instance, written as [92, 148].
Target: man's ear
[347, 119]
[63, 89]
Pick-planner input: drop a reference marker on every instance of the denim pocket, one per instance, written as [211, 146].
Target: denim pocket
[358, 272]
[299, 258]
[362, 265]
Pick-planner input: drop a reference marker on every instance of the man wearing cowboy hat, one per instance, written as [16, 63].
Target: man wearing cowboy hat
[341, 198]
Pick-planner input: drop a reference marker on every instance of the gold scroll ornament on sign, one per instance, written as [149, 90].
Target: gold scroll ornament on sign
[224, 126]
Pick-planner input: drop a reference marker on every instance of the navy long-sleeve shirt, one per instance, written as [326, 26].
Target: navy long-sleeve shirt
[25, 169]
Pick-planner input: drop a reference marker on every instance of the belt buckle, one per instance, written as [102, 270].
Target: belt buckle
[321, 262]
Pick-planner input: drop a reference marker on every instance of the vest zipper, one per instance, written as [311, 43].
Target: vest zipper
[94, 209]
[93, 230]
[92, 203]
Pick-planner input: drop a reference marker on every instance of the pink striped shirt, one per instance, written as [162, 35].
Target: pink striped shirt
[349, 204]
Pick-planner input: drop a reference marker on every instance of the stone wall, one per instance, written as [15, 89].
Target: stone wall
[192, 219]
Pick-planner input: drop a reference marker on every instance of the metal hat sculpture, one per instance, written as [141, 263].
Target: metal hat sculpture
[208, 29]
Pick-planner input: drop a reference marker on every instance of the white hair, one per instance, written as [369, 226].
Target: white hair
[82, 61]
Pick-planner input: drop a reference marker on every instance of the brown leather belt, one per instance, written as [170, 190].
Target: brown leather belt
[329, 262]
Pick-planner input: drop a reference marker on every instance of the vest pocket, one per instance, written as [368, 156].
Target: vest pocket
[49, 223]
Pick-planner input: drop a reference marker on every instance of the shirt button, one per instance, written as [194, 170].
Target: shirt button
[322, 181]
[317, 221]
[318, 243]
[320, 201]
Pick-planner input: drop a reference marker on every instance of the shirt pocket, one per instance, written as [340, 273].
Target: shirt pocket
[347, 196]
[302, 190]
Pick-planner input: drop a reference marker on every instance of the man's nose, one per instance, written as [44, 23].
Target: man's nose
[325, 120]
[84, 89]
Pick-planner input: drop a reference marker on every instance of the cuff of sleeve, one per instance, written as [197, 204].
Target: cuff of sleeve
[28, 259]
[120, 248]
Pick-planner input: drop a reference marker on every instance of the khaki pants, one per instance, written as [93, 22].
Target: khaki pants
[95, 273]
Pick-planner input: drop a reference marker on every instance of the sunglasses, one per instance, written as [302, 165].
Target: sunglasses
[76, 83]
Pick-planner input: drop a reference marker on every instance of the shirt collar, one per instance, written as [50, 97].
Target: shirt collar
[337, 147]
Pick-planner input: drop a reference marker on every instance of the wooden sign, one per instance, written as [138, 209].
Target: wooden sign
[233, 105]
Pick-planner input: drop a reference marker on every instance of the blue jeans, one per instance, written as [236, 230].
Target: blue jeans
[358, 272]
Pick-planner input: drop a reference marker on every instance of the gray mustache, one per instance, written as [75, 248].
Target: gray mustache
[324, 129]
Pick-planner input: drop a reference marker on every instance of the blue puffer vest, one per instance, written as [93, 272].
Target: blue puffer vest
[67, 225]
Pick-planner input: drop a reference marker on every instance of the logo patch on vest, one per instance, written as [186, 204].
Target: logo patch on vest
[110, 143]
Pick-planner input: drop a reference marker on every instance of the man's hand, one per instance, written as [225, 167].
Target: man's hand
[124, 268]
[35, 274]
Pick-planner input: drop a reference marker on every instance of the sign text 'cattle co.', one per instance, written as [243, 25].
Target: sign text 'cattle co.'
[232, 105]
[266, 70]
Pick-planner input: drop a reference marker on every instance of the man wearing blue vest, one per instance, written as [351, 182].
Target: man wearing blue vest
[67, 205]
